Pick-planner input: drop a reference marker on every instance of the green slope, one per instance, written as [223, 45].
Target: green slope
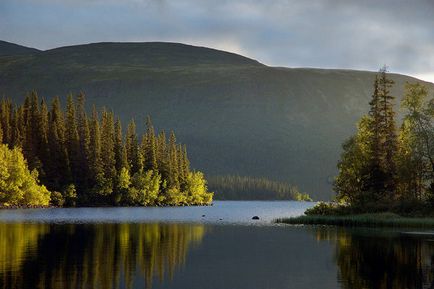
[236, 115]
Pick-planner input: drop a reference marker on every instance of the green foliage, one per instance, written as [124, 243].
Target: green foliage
[416, 139]
[324, 209]
[18, 185]
[196, 189]
[367, 169]
[249, 188]
[144, 189]
[380, 171]
[70, 196]
[90, 161]
[57, 199]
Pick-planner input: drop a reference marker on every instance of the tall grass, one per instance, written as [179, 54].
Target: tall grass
[362, 220]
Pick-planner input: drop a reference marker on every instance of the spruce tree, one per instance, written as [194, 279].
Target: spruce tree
[43, 149]
[96, 166]
[5, 119]
[132, 147]
[120, 152]
[31, 134]
[58, 170]
[173, 162]
[1, 134]
[18, 128]
[367, 170]
[84, 154]
[149, 146]
[107, 150]
[72, 138]
[388, 131]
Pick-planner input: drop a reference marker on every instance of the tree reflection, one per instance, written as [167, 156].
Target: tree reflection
[92, 256]
[387, 260]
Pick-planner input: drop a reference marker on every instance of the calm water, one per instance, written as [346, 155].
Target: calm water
[178, 248]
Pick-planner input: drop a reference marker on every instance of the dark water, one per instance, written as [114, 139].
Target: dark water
[149, 248]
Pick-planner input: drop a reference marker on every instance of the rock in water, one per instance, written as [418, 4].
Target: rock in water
[255, 218]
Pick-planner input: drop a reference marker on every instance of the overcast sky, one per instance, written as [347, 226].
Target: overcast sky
[296, 33]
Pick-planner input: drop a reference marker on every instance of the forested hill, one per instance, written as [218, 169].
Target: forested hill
[236, 115]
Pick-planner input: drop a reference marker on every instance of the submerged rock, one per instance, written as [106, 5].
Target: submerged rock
[255, 218]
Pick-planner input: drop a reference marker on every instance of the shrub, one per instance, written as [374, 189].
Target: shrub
[57, 199]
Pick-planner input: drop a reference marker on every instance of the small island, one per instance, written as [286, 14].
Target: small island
[386, 175]
[56, 157]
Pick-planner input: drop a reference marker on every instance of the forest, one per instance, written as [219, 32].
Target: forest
[234, 187]
[64, 157]
[383, 167]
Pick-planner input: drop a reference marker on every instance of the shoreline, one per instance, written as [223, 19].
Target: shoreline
[361, 220]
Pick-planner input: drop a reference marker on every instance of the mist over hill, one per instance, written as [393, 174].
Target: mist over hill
[236, 115]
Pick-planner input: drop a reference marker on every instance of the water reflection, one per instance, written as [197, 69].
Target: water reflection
[93, 255]
[381, 259]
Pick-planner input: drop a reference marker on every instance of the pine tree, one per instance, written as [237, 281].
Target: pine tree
[107, 150]
[84, 154]
[18, 128]
[72, 138]
[119, 148]
[149, 147]
[58, 172]
[367, 170]
[96, 166]
[5, 119]
[162, 162]
[1, 134]
[31, 134]
[390, 143]
[43, 149]
[173, 177]
[134, 157]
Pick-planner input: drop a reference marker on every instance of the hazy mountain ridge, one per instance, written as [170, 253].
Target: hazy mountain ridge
[236, 115]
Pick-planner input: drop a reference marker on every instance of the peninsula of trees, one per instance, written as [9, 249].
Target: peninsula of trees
[61, 156]
[383, 168]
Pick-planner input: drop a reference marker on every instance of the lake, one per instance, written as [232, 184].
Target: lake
[219, 247]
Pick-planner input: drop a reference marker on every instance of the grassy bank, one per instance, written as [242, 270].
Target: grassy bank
[365, 220]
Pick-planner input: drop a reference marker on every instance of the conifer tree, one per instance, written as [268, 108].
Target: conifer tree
[1, 134]
[96, 166]
[367, 170]
[72, 138]
[149, 146]
[18, 128]
[119, 148]
[107, 150]
[31, 134]
[58, 170]
[162, 162]
[5, 117]
[173, 178]
[390, 143]
[84, 154]
[132, 148]
[43, 149]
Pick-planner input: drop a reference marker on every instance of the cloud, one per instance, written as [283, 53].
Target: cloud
[318, 33]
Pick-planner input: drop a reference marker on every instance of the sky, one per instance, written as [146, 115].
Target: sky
[348, 34]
